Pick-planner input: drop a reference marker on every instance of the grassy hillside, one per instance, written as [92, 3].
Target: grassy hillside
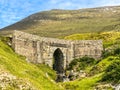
[109, 38]
[61, 23]
[41, 77]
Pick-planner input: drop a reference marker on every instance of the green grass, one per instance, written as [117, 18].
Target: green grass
[35, 74]
[84, 84]
[102, 65]
[90, 82]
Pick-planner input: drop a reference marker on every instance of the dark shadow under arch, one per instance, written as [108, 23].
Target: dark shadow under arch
[58, 63]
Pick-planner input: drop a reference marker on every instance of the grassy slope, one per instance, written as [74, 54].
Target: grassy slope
[36, 74]
[90, 82]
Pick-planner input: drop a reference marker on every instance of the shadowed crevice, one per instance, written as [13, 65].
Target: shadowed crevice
[58, 64]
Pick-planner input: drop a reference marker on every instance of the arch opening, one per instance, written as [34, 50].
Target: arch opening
[58, 61]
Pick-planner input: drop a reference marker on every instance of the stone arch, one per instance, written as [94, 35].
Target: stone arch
[58, 61]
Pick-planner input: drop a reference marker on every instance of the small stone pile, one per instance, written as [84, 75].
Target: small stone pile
[103, 87]
[8, 81]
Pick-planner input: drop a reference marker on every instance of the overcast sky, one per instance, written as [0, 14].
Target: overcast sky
[12, 11]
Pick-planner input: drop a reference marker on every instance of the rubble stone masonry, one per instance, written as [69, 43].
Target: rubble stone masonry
[41, 49]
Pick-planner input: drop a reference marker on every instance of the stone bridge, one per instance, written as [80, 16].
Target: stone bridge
[54, 52]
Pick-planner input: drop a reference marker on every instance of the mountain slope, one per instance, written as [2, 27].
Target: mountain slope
[60, 23]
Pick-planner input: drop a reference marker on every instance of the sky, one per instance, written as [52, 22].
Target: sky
[12, 11]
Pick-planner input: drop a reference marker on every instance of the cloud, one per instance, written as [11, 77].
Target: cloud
[110, 2]
[77, 4]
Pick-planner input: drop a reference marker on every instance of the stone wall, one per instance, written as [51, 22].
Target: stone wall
[91, 48]
[41, 49]
[25, 46]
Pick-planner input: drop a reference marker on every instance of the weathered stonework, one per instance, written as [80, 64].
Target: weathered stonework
[41, 49]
